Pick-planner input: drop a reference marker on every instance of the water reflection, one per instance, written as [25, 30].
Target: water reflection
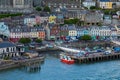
[30, 69]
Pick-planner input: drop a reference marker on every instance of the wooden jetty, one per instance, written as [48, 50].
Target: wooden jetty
[102, 57]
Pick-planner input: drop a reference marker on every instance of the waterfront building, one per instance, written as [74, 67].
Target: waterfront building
[26, 32]
[15, 6]
[64, 32]
[82, 32]
[89, 3]
[4, 29]
[72, 30]
[55, 32]
[98, 32]
[8, 49]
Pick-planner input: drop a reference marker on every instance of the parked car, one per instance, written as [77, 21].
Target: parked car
[108, 52]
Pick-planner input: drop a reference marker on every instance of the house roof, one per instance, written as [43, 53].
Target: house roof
[6, 44]
[104, 0]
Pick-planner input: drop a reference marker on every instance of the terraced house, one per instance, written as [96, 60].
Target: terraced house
[25, 32]
[68, 4]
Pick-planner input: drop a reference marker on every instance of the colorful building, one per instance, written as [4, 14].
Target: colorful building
[52, 19]
[55, 32]
[26, 32]
[64, 32]
[72, 30]
[105, 4]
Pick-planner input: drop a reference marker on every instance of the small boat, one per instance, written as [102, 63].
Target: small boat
[66, 59]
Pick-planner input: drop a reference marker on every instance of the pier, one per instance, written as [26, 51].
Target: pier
[33, 62]
[97, 58]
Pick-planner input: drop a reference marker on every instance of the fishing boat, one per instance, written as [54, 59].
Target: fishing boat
[66, 59]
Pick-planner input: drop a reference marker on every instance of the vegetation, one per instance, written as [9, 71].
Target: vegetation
[46, 9]
[6, 58]
[38, 8]
[10, 15]
[109, 11]
[38, 40]
[25, 40]
[94, 8]
[86, 37]
[71, 21]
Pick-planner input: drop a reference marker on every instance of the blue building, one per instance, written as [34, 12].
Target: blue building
[4, 29]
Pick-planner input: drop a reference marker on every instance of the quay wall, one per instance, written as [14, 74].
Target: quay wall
[21, 63]
[8, 66]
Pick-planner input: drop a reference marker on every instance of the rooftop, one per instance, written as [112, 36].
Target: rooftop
[6, 44]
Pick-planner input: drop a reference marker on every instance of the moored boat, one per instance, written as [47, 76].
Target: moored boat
[66, 59]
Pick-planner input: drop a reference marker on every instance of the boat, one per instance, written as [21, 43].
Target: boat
[66, 59]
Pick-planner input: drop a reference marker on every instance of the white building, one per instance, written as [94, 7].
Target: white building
[4, 29]
[72, 30]
[100, 31]
[89, 3]
[8, 49]
[30, 21]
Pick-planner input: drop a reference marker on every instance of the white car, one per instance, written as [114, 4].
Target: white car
[108, 52]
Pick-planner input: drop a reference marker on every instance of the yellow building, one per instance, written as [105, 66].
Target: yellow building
[106, 4]
[52, 19]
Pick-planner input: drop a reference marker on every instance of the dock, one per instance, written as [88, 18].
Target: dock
[33, 62]
[97, 58]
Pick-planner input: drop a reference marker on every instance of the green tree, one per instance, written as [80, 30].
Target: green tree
[10, 15]
[38, 8]
[92, 7]
[86, 37]
[25, 40]
[71, 21]
[38, 40]
[106, 12]
[46, 9]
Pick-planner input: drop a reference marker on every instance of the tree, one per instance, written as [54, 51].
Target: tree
[92, 7]
[46, 9]
[106, 12]
[25, 40]
[71, 21]
[86, 37]
[38, 8]
[38, 40]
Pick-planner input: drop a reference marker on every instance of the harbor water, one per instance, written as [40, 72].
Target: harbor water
[53, 69]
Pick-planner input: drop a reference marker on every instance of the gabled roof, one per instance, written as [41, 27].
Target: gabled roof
[6, 44]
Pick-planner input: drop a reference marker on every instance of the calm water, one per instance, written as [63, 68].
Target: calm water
[53, 69]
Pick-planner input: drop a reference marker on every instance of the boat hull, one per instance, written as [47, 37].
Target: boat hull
[68, 61]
